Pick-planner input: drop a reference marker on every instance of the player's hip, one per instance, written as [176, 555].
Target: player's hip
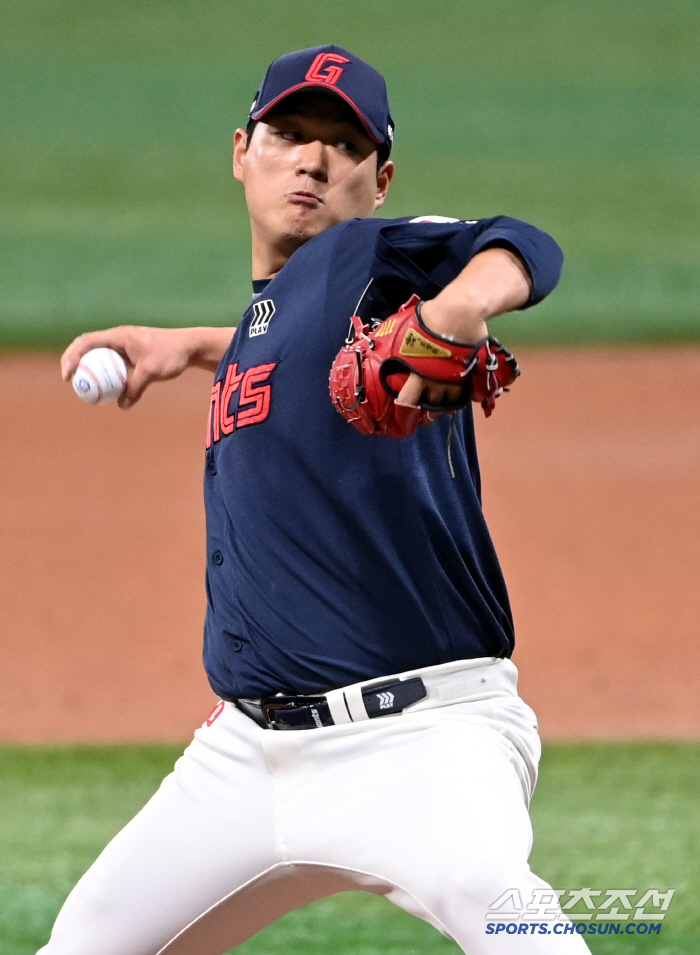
[478, 695]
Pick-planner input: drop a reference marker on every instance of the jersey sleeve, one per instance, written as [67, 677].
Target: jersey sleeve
[542, 256]
[427, 253]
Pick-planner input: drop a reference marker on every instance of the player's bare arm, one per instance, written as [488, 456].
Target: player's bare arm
[152, 354]
[494, 282]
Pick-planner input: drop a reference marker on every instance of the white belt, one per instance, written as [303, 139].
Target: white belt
[460, 681]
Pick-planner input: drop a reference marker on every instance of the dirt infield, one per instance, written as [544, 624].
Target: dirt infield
[591, 486]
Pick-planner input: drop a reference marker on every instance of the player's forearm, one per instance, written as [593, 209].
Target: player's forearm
[207, 345]
[494, 282]
[166, 351]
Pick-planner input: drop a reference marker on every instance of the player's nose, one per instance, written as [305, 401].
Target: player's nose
[313, 161]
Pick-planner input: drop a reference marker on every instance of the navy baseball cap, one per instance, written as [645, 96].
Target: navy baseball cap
[335, 70]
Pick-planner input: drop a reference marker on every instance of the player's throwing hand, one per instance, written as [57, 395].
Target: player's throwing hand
[151, 354]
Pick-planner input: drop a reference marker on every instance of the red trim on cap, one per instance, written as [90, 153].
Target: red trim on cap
[258, 114]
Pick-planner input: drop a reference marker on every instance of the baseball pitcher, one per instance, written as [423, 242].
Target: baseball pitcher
[358, 631]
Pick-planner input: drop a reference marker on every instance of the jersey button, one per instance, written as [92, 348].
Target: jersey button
[211, 466]
[218, 558]
[237, 645]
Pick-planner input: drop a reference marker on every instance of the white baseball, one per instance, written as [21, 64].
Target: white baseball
[100, 376]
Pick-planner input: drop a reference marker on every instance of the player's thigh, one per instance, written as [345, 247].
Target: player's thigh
[440, 786]
[207, 831]
[434, 805]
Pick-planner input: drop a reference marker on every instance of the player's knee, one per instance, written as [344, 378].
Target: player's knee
[480, 883]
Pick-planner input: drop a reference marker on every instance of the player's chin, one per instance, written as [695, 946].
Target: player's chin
[301, 227]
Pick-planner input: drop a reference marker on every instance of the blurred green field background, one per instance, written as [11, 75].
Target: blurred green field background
[117, 202]
[611, 815]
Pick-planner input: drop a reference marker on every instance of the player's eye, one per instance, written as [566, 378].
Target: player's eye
[347, 146]
[290, 135]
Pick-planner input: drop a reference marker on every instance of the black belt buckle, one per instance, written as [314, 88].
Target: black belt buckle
[296, 712]
[285, 712]
[280, 702]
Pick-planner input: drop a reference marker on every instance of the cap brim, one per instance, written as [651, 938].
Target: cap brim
[370, 128]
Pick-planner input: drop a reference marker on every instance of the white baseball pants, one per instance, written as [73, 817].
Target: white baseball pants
[428, 808]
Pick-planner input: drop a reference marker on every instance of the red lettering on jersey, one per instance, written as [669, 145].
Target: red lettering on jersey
[331, 74]
[214, 402]
[217, 711]
[233, 380]
[253, 400]
[259, 397]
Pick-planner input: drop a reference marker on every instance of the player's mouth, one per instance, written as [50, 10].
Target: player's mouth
[303, 198]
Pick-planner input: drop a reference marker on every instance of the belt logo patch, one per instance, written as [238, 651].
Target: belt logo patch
[386, 700]
[262, 315]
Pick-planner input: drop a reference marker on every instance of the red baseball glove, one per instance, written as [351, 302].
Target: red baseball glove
[368, 374]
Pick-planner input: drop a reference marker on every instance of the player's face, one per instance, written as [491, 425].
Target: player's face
[308, 167]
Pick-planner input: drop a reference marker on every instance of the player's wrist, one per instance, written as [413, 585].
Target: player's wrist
[463, 320]
[206, 346]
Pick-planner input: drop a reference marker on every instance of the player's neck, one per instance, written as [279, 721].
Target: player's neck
[269, 255]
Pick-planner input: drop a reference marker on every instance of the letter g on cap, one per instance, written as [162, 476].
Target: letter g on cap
[332, 74]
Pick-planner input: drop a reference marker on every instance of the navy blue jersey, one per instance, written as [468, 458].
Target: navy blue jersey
[332, 556]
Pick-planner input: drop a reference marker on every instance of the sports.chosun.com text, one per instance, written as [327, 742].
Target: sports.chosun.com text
[571, 928]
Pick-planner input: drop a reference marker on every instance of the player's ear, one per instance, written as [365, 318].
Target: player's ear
[240, 149]
[384, 177]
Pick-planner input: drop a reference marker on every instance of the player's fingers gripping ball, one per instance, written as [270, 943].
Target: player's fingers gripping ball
[100, 377]
[368, 373]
